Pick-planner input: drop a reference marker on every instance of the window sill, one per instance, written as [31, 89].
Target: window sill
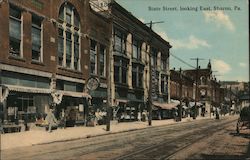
[138, 62]
[118, 54]
[164, 94]
[17, 58]
[102, 77]
[138, 89]
[121, 85]
[93, 75]
[37, 62]
[69, 69]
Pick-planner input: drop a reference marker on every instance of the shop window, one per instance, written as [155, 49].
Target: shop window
[21, 107]
[69, 35]
[93, 57]
[36, 36]
[15, 31]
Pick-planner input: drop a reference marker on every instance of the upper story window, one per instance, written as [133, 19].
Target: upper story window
[164, 84]
[136, 49]
[69, 15]
[15, 31]
[36, 37]
[154, 58]
[93, 57]
[120, 42]
[163, 63]
[120, 70]
[137, 76]
[69, 43]
[203, 80]
[102, 61]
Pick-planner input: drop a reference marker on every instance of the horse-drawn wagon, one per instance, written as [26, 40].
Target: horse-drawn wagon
[244, 119]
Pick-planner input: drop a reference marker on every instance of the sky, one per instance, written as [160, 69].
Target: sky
[219, 33]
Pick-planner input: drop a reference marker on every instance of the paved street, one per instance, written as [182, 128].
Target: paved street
[203, 139]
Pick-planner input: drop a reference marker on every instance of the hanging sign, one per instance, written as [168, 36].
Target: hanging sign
[92, 83]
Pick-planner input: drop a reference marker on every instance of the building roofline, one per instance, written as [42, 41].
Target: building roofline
[114, 4]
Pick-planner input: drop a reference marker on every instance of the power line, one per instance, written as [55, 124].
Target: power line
[182, 61]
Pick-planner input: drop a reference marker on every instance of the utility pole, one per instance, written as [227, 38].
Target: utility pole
[150, 79]
[180, 111]
[151, 23]
[230, 96]
[109, 75]
[196, 86]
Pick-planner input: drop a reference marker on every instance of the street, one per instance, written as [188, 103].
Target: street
[203, 139]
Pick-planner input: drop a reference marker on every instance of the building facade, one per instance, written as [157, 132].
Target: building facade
[135, 47]
[49, 49]
[208, 90]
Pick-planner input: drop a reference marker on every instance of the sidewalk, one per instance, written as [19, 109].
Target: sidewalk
[35, 137]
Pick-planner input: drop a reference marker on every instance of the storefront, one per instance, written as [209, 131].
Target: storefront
[164, 110]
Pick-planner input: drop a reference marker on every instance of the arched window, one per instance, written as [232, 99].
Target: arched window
[203, 80]
[69, 37]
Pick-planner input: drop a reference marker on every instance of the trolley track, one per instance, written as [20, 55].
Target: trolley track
[158, 138]
[159, 151]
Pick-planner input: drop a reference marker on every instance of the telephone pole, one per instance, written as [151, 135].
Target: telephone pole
[181, 83]
[196, 86]
[151, 23]
[150, 78]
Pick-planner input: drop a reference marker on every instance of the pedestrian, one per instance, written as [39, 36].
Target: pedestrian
[139, 117]
[51, 120]
[1, 127]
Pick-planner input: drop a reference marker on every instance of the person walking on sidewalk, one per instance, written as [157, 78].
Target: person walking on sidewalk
[51, 119]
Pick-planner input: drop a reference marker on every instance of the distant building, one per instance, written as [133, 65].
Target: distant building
[208, 93]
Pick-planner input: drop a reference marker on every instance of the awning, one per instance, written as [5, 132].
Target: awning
[28, 89]
[122, 100]
[75, 94]
[166, 105]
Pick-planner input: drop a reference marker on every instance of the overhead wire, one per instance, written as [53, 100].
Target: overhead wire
[182, 61]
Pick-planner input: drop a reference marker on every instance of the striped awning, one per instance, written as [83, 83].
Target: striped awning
[166, 105]
[28, 89]
[75, 94]
[46, 91]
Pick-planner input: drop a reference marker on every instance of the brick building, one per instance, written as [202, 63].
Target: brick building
[208, 93]
[48, 50]
[133, 45]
